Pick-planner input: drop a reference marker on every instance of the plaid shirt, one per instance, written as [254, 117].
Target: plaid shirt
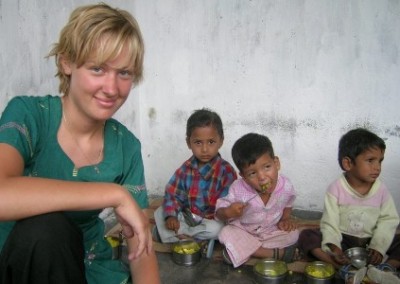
[197, 188]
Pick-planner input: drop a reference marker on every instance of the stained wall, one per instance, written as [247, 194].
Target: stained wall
[301, 72]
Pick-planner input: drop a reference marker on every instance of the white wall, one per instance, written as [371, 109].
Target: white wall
[301, 72]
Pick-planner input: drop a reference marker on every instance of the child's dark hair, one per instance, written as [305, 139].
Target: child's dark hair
[204, 117]
[248, 148]
[356, 141]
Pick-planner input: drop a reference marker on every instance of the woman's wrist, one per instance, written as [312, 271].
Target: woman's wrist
[120, 196]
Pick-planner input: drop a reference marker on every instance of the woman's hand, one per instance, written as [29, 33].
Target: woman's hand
[134, 222]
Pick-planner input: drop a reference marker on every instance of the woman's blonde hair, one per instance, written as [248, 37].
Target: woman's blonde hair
[101, 31]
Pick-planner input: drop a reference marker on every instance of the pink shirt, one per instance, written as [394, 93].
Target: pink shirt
[259, 219]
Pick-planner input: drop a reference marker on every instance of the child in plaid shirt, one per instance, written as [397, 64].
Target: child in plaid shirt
[191, 194]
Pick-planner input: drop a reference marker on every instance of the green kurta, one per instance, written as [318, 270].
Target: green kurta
[30, 124]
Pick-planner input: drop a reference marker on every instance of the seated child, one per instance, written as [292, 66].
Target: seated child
[359, 210]
[258, 206]
[197, 184]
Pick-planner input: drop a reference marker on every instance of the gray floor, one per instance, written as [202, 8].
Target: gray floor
[212, 272]
[215, 271]
[206, 271]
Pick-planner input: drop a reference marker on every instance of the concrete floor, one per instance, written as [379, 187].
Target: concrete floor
[208, 271]
[212, 272]
[216, 271]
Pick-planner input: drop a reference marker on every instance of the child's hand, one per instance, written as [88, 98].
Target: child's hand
[340, 258]
[338, 255]
[374, 257]
[172, 224]
[236, 209]
[287, 225]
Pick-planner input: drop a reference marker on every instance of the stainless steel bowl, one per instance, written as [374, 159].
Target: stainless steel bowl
[186, 253]
[358, 256]
[319, 272]
[270, 271]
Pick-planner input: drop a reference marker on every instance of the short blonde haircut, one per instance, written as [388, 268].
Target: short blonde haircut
[100, 32]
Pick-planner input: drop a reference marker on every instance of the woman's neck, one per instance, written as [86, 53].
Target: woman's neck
[78, 124]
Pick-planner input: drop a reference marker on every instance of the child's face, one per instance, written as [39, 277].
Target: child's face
[263, 172]
[204, 143]
[366, 167]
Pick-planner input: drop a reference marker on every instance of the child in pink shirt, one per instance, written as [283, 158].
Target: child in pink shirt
[258, 206]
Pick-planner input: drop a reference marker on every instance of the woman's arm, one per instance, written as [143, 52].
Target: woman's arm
[22, 197]
[145, 268]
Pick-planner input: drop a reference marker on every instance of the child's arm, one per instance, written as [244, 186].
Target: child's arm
[228, 177]
[374, 257]
[385, 226]
[286, 223]
[174, 197]
[330, 220]
[235, 210]
[337, 254]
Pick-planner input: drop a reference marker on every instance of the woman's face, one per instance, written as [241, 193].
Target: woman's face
[98, 91]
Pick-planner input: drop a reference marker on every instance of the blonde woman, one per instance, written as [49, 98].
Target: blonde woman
[64, 158]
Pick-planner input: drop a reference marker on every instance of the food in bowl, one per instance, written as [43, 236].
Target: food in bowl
[186, 247]
[186, 253]
[271, 267]
[269, 270]
[319, 270]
